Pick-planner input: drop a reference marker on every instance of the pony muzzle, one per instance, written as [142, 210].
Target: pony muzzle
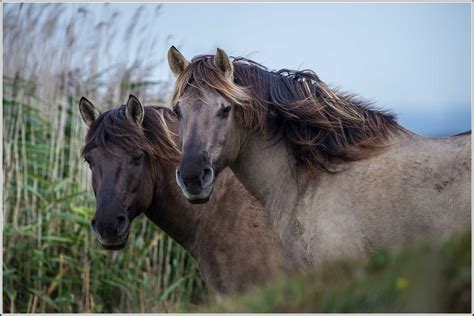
[198, 187]
[112, 236]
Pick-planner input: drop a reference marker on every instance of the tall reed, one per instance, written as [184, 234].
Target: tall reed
[54, 54]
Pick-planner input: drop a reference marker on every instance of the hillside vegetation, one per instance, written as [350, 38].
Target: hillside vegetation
[419, 278]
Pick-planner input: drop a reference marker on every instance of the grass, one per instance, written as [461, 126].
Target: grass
[419, 278]
[51, 260]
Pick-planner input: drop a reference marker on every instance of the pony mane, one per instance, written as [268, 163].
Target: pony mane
[153, 137]
[321, 125]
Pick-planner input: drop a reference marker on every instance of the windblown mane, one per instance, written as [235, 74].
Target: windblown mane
[154, 137]
[321, 125]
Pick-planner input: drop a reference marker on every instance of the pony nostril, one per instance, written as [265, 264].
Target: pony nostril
[121, 219]
[207, 176]
[121, 224]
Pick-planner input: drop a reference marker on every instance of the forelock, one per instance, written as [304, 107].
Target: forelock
[202, 74]
[113, 127]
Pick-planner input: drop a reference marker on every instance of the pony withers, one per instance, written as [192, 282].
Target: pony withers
[132, 155]
[337, 176]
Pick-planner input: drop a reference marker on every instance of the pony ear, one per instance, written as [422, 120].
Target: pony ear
[134, 110]
[177, 61]
[89, 113]
[223, 62]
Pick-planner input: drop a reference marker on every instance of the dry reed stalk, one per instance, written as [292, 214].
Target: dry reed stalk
[45, 214]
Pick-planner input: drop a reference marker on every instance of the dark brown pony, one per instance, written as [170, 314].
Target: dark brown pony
[133, 157]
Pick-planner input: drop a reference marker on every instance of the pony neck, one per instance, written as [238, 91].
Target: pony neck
[269, 172]
[170, 211]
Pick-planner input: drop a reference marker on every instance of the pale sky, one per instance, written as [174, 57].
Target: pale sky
[413, 59]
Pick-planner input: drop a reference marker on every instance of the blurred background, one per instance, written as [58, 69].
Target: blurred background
[413, 59]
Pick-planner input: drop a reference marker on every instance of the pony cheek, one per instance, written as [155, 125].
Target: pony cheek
[230, 151]
[140, 199]
[228, 147]
[217, 160]
[134, 207]
[95, 185]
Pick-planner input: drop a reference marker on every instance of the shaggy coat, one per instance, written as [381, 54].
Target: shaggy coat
[336, 176]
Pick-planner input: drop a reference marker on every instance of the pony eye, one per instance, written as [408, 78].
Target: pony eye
[224, 112]
[89, 162]
[137, 160]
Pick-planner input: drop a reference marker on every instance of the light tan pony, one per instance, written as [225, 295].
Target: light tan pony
[336, 176]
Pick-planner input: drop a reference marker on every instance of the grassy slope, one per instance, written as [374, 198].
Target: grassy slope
[418, 278]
